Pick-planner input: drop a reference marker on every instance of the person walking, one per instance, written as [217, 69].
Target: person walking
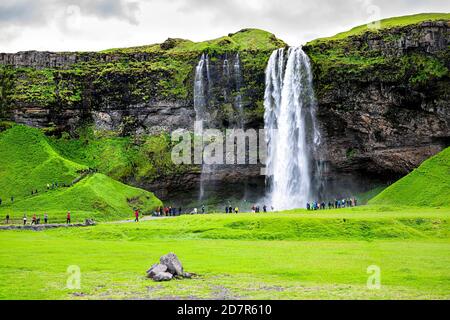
[68, 217]
[230, 209]
[203, 208]
[264, 208]
[136, 215]
[33, 220]
[236, 210]
[24, 219]
[195, 210]
[7, 218]
[226, 209]
[45, 218]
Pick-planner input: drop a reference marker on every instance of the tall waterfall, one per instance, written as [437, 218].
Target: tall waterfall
[202, 87]
[292, 134]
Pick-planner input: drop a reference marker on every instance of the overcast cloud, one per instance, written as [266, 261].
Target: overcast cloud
[100, 24]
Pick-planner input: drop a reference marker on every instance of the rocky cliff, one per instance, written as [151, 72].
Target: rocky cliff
[383, 95]
[137, 90]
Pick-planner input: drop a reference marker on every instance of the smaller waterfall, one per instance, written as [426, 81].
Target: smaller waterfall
[226, 75]
[238, 97]
[292, 134]
[206, 103]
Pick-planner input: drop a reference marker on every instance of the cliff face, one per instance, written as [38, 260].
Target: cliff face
[384, 98]
[137, 90]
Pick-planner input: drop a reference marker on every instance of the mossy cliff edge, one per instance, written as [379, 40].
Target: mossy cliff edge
[383, 97]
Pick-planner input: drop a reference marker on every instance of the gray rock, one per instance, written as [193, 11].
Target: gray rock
[173, 264]
[155, 269]
[163, 276]
[89, 222]
[187, 275]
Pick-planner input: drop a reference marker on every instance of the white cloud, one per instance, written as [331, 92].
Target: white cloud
[100, 24]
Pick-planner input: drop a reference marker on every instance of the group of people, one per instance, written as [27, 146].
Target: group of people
[35, 220]
[336, 204]
[256, 209]
[167, 212]
[229, 209]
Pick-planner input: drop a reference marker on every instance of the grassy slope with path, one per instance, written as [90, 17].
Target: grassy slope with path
[29, 162]
[308, 256]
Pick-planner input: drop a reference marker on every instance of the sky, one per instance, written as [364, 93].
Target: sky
[89, 25]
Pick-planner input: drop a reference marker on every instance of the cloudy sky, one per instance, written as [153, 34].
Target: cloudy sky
[101, 24]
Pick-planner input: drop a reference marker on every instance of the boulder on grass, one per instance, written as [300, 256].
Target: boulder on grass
[172, 263]
[163, 276]
[155, 269]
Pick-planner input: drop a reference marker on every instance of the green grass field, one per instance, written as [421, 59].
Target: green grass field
[294, 255]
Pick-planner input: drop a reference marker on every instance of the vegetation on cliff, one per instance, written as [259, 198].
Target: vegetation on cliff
[428, 185]
[391, 54]
[122, 77]
[388, 23]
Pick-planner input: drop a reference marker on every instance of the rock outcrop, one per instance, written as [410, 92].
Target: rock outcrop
[383, 98]
[169, 267]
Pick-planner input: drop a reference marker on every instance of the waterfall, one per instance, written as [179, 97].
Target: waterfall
[238, 98]
[202, 86]
[292, 134]
[205, 101]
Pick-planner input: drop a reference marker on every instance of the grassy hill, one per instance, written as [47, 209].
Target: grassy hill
[243, 40]
[428, 185]
[390, 23]
[29, 162]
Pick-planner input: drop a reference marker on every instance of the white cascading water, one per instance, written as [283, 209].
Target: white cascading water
[201, 89]
[238, 98]
[292, 134]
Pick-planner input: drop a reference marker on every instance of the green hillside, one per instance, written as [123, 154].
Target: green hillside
[428, 185]
[28, 163]
[97, 196]
[391, 23]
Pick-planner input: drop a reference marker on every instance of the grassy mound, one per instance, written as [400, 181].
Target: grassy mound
[391, 23]
[243, 40]
[29, 162]
[428, 185]
[97, 196]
